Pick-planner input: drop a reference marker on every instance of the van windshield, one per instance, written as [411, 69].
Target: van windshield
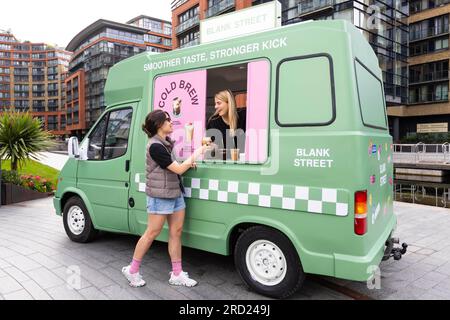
[371, 97]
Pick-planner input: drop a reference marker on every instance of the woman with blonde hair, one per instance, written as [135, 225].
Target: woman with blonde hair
[228, 119]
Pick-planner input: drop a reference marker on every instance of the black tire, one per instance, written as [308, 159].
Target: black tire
[294, 275]
[88, 232]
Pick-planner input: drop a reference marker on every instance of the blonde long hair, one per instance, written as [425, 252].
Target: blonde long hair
[228, 97]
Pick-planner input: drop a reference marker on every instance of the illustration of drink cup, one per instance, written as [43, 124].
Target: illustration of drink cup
[234, 154]
[189, 132]
[176, 105]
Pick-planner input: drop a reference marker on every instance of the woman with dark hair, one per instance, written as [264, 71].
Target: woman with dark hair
[164, 198]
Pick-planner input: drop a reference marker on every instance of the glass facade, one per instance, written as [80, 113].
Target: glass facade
[97, 54]
[32, 79]
[383, 23]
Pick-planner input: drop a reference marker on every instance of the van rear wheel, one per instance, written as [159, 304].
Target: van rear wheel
[77, 221]
[268, 262]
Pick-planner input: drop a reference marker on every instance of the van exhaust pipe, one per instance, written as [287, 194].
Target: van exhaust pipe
[395, 253]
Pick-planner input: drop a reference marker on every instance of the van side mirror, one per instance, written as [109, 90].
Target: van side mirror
[72, 148]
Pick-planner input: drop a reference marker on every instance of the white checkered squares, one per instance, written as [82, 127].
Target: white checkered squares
[341, 209]
[329, 195]
[264, 201]
[204, 194]
[253, 188]
[302, 193]
[222, 196]
[187, 192]
[242, 198]
[233, 186]
[195, 183]
[276, 190]
[315, 206]
[288, 204]
[214, 185]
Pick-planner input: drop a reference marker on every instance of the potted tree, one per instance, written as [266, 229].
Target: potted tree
[21, 139]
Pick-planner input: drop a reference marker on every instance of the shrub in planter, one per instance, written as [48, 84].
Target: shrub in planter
[16, 188]
[11, 177]
[37, 183]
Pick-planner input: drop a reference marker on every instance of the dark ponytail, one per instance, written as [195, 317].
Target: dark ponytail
[154, 121]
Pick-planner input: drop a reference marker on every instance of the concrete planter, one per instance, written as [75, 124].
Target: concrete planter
[12, 193]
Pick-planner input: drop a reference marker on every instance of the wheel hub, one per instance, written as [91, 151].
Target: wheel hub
[266, 262]
[76, 220]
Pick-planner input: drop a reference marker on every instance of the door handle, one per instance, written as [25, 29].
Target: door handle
[127, 166]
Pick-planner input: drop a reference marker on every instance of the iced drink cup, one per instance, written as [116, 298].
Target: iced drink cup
[189, 132]
[234, 154]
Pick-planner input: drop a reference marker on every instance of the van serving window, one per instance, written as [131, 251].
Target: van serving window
[190, 99]
[371, 97]
[305, 91]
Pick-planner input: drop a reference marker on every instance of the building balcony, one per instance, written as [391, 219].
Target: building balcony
[427, 33]
[429, 98]
[191, 43]
[429, 77]
[312, 7]
[177, 3]
[188, 24]
[220, 7]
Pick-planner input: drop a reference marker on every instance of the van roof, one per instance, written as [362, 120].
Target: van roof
[129, 80]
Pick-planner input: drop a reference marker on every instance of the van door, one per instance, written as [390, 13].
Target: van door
[105, 176]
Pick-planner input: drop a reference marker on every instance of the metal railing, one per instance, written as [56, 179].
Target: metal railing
[219, 7]
[187, 24]
[308, 6]
[421, 152]
[428, 32]
[431, 76]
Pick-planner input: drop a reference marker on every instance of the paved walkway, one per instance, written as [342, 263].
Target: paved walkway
[53, 160]
[38, 261]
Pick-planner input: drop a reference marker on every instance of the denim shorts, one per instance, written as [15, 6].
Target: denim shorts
[165, 206]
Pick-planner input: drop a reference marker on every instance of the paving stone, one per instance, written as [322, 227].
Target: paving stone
[64, 293]
[18, 295]
[69, 276]
[45, 278]
[16, 274]
[35, 290]
[92, 293]
[8, 285]
[117, 292]
[6, 252]
[44, 260]
[23, 263]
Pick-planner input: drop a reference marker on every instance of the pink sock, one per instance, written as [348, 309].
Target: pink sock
[135, 264]
[176, 267]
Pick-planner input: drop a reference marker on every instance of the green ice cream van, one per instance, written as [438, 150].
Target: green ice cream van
[311, 191]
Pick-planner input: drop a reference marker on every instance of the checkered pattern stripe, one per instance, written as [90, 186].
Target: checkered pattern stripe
[288, 197]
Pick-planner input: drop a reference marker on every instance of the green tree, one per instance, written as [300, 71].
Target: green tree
[21, 138]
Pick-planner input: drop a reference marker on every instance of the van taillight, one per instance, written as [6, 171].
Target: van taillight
[361, 212]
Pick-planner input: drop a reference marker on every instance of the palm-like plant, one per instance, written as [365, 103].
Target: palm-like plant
[21, 138]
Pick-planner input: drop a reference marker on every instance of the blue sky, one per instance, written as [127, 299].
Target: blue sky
[57, 22]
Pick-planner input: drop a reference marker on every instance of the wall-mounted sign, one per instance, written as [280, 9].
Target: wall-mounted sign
[432, 127]
[258, 18]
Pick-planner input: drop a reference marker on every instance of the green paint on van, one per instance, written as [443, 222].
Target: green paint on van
[325, 93]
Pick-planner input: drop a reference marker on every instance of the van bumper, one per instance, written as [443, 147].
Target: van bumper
[361, 268]
[57, 205]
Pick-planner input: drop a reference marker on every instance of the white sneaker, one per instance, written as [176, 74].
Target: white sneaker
[135, 279]
[181, 280]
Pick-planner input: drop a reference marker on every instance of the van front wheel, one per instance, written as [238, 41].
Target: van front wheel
[77, 222]
[268, 262]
